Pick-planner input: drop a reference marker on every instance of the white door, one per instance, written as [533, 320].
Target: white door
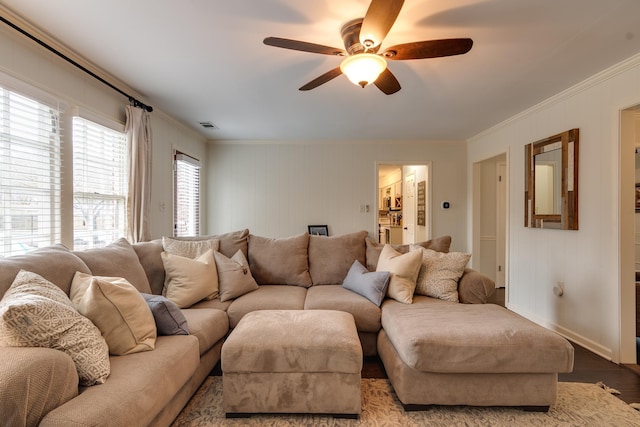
[409, 209]
[501, 225]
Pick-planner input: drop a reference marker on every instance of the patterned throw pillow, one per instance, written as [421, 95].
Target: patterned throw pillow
[439, 273]
[189, 248]
[36, 313]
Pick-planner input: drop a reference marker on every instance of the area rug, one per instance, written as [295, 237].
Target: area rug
[578, 404]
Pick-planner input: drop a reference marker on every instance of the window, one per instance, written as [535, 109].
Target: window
[186, 195]
[29, 173]
[99, 184]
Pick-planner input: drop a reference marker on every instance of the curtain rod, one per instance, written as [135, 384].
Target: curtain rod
[132, 100]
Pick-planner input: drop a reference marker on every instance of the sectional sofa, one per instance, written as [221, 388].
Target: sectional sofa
[435, 351]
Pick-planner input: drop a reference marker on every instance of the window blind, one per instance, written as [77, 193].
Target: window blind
[99, 184]
[186, 195]
[30, 169]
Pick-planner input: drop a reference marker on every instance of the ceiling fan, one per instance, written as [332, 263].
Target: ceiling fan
[362, 38]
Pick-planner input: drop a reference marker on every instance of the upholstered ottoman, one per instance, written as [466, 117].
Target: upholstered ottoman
[445, 353]
[292, 361]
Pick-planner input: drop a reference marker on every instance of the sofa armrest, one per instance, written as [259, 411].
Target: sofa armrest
[474, 287]
[34, 381]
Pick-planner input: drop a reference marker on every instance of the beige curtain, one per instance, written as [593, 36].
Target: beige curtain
[138, 130]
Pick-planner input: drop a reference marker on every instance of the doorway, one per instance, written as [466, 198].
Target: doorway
[629, 159]
[490, 219]
[404, 202]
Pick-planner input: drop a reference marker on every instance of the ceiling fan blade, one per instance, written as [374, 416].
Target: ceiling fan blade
[303, 46]
[387, 82]
[329, 75]
[428, 49]
[379, 19]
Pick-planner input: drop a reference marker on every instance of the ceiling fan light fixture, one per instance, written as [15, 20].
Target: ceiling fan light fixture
[363, 68]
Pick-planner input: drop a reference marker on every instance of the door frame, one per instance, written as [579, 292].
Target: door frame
[429, 189]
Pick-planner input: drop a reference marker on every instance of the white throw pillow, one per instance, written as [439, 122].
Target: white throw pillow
[188, 281]
[403, 269]
[234, 276]
[117, 308]
[440, 272]
[36, 313]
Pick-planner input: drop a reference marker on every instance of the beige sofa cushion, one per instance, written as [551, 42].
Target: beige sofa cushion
[440, 244]
[139, 387]
[230, 242]
[432, 335]
[36, 313]
[208, 325]
[331, 257]
[55, 263]
[267, 297]
[188, 281]
[280, 261]
[151, 261]
[403, 269]
[117, 259]
[335, 297]
[118, 310]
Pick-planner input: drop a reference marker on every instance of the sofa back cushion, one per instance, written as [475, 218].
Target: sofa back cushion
[439, 244]
[280, 261]
[118, 259]
[331, 257]
[149, 254]
[55, 263]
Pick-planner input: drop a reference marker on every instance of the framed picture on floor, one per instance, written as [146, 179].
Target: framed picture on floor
[637, 196]
[319, 230]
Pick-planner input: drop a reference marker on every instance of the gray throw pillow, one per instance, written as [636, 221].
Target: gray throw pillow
[371, 285]
[169, 319]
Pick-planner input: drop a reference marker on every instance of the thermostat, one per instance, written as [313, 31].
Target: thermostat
[446, 205]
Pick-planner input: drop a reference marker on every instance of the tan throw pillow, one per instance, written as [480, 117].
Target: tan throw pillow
[404, 270]
[116, 307]
[188, 281]
[280, 261]
[439, 273]
[36, 313]
[189, 248]
[440, 244]
[234, 276]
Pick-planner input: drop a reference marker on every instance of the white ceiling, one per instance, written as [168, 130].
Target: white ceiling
[204, 60]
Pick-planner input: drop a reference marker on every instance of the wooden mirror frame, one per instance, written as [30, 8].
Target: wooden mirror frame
[568, 142]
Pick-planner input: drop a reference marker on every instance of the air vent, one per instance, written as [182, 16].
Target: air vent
[208, 125]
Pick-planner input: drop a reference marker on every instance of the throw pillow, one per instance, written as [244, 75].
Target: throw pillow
[280, 261]
[189, 248]
[331, 257]
[440, 272]
[119, 257]
[234, 276]
[440, 244]
[169, 319]
[370, 284]
[188, 281]
[36, 313]
[404, 270]
[116, 307]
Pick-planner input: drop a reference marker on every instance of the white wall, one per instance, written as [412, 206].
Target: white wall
[586, 260]
[24, 60]
[277, 189]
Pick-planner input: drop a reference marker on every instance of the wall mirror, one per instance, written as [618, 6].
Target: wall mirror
[551, 182]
